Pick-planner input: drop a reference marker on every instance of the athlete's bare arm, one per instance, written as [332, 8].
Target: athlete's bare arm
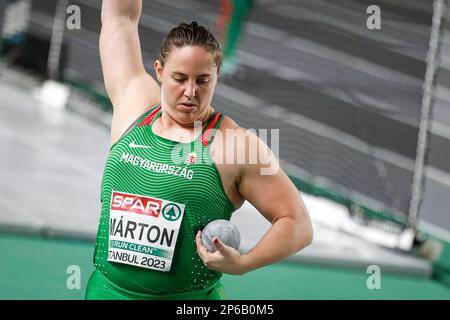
[130, 88]
[267, 187]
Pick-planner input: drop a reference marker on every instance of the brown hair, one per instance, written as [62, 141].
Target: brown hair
[191, 35]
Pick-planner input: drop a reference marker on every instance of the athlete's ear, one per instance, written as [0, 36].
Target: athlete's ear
[158, 69]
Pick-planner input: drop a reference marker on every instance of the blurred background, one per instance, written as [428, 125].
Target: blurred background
[359, 91]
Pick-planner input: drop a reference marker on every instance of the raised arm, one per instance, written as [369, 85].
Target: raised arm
[120, 52]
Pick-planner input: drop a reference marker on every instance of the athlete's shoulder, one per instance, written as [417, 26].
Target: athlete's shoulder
[228, 123]
[123, 121]
[246, 142]
[241, 138]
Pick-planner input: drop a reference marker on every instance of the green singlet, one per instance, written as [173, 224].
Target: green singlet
[156, 194]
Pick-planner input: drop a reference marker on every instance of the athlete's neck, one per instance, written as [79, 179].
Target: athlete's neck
[169, 123]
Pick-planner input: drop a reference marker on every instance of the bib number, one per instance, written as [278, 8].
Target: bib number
[143, 230]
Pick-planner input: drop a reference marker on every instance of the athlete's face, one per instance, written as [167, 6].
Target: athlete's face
[187, 79]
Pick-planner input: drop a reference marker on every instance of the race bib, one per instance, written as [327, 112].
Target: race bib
[143, 231]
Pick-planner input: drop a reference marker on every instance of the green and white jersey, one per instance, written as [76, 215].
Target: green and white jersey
[156, 194]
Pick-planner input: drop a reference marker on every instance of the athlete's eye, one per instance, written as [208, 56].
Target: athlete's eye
[179, 80]
[202, 81]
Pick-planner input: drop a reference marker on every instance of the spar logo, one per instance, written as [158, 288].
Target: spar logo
[171, 212]
[135, 203]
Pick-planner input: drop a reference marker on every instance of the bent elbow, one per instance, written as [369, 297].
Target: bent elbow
[310, 237]
[306, 236]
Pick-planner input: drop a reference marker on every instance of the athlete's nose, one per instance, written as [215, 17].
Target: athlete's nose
[189, 90]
